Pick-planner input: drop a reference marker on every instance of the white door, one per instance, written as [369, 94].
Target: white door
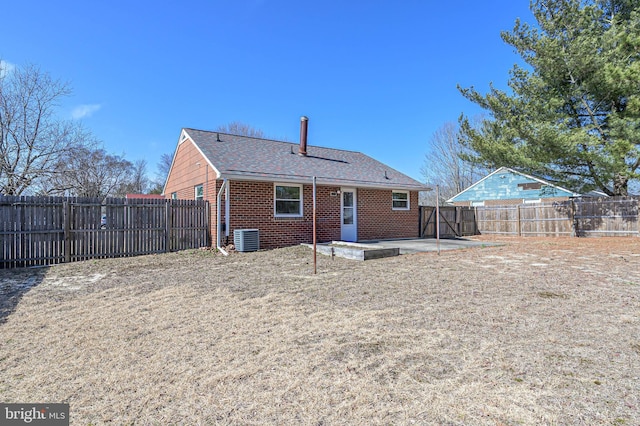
[348, 215]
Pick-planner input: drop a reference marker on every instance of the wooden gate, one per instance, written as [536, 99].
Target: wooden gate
[454, 222]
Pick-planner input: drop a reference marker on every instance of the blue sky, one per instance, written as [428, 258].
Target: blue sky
[377, 77]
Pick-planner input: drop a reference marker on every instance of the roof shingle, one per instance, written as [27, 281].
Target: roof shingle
[243, 157]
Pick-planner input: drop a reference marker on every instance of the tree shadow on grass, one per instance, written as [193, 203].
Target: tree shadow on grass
[15, 283]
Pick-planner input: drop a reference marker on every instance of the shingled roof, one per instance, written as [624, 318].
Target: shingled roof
[247, 158]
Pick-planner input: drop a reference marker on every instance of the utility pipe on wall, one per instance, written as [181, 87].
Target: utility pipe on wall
[227, 214]
[225, 183]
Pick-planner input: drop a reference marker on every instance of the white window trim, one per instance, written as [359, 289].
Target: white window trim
[408, 200]
[275, 213]
[195, 192]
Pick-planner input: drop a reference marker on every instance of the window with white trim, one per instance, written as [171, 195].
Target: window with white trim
[287, 200]
[400, 200]
[199, 192]
[174, 195]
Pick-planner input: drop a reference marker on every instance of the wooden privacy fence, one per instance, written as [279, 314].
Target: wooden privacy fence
[607, 217]
[48, 230]
[581, 217]
[540, 219]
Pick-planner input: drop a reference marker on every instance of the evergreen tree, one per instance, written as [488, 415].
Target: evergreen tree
[572, 115]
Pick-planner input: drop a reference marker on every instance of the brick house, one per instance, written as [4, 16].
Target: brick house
[254, 183]
[506, 186]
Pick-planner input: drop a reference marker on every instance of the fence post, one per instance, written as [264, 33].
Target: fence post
[572, 217]
[129, 233]
[519, 225]
[66, 234]
[636, 211]
[476, 228]
[167, 228]
[209, 242]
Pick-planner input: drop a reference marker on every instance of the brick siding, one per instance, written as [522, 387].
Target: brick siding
[377, 220]
[252, 207]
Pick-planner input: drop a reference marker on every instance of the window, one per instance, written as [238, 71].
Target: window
[288, 200]
[174, 195]
[400, 200]
[348, 207]
[199, 192]
[530, 185]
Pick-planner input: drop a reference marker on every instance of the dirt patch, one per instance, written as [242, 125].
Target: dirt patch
[536, 331]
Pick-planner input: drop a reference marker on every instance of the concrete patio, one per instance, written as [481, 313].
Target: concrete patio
[417, 245]
[375, 249]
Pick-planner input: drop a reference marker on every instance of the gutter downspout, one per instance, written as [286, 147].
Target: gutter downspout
[218, 236]
[227, 214]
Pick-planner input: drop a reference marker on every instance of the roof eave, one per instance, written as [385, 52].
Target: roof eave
[323, 181]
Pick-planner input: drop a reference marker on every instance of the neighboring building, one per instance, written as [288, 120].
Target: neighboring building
[267, 185]
[507, 186]
[145, 196]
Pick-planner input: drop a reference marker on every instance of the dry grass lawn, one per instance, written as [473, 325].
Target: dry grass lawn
[537, 331]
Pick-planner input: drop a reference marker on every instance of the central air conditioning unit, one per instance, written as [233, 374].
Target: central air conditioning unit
[246, 239]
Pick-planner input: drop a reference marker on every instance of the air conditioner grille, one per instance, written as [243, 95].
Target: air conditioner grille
[246, 239]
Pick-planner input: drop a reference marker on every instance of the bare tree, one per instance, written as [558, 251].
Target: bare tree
[444, 165]
[238, 128]
[32, 139]
[92, 173]
[164, 165]
[156, 186]
[137, 182]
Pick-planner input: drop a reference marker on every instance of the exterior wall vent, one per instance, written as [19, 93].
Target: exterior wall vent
[246, 239]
